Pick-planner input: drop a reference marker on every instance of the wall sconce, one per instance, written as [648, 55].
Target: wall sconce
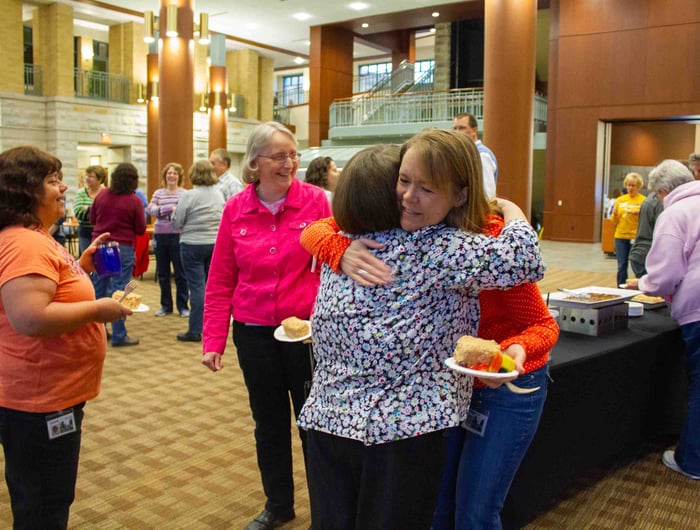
[148, 22]
[218, 100]
[139, 93]
[203, 28]
[203, 102]
[152, 91]
[171, 23]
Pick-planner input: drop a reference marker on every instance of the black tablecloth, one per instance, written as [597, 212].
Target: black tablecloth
[609, 394]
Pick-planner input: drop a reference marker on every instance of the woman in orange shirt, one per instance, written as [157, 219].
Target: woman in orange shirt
[52, 341]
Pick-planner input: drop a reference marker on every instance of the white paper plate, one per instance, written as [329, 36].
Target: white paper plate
[453, 365]
[281, 336]
[142, 308]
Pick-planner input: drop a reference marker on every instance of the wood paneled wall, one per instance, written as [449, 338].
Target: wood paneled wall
[628, 60]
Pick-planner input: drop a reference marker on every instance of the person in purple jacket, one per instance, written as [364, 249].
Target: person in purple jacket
[119, 211]
[259, 275]
[673, 271]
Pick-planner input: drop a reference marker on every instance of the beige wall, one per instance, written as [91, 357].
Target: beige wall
[53, 48]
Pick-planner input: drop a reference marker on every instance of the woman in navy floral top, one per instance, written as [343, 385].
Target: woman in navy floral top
[382, 397]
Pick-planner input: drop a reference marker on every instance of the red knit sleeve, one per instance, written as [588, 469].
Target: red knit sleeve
[322, 240]
[519, 316]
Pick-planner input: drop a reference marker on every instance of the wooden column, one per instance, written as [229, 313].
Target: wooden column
[510, 28]
[176, 83]
[330, 70]
[218, 94]
[152, 123]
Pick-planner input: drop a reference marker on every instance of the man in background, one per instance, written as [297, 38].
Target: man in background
[694, 164]
[227, 184]
[466, 123]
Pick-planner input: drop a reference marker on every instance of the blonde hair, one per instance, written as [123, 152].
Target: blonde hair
[633, 177]
[453, 165]
[259, 137]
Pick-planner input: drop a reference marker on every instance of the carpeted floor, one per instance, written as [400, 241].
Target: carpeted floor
[169, 444]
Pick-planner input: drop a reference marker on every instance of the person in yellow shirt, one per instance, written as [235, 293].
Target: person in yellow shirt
[625, 217]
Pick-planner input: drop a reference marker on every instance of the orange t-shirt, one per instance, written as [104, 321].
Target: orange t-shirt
[45, 374]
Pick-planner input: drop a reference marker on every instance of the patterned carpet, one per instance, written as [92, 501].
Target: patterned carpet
[169, 444]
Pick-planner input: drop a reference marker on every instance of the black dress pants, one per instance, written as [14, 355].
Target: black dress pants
[273, 372]
[390, 486]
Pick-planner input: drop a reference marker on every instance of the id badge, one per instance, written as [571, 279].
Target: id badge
[60, 423]
[476, 422]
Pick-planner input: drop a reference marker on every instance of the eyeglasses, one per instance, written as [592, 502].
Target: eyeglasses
[281, 158]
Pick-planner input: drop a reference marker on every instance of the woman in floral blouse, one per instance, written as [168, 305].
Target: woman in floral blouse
[382, 398]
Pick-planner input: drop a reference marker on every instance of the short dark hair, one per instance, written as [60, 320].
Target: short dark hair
[22, 173]
[317, 172]
[473, 123]
[202, 173]
[223, 155]
[124, 179]
[365, 198]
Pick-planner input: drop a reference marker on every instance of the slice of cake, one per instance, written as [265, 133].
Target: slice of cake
[132, 301]
[295, 328]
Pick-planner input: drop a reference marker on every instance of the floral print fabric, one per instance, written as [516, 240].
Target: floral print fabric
[380, 351]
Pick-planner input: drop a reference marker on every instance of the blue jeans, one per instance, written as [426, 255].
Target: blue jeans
[479, 469]
[622, 251]
[195, 263]
[40, 473]
[167, 251]
[107, 286]
[688, 447]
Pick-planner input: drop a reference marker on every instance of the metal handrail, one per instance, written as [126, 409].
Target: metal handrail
[416, 108]
[101, 85]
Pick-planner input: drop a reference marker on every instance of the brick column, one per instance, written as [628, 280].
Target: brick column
[127, 54]
[53, 48]
[12, 48]
[443, 36]
[510, 28]
[243, 68]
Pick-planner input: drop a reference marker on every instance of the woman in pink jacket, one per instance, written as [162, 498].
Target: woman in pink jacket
[260, 275]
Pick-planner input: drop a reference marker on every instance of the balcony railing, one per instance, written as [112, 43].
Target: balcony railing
[32, 80]
[101, 85]
[425, 107]
[291, 96]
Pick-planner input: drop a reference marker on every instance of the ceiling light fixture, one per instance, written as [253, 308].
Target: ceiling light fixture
[299, 60]
[301, 16]
[365, 25]
[435, 14]
[358, 6]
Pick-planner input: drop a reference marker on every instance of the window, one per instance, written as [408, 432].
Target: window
[370, 74]
[28, 46]
[421, 67]
[292, 90]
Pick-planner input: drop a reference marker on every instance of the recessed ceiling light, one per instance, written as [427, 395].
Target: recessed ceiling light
[253, 25]
[358, 6]
[301, 16]
[435, 14]
[432, 30]
[299, 60]
[365, 25]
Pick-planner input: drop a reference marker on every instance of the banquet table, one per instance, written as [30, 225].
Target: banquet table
[607, 395]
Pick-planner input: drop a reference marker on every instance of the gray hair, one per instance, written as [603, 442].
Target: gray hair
[257, 141]
[668, 175]
[694, 158]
